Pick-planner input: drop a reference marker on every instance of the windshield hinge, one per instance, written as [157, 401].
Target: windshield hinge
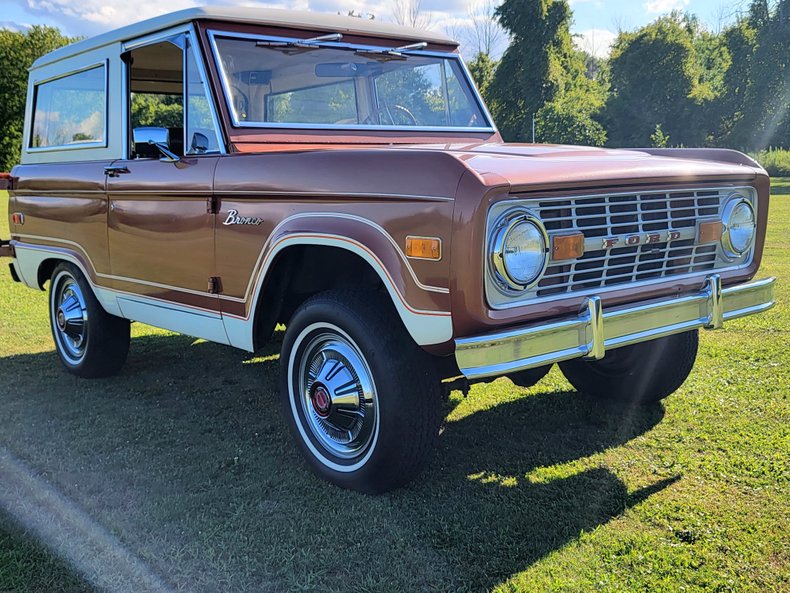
[212, 205]
[214, 285]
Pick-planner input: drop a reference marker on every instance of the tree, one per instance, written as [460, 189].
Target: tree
[18, 51]
[482, 68]
[765, 117]
[657, 79]
[560, 123]
[410, 14]
[541, 74]
[730, 108]
[485, 33]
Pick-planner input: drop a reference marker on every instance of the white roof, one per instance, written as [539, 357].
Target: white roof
[295, 19]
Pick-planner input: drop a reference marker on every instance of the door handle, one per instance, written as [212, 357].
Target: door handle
[115, 171]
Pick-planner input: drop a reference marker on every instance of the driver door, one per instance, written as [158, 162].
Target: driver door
[160, 224]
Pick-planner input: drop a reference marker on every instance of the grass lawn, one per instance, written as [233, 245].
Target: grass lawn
[179, 475]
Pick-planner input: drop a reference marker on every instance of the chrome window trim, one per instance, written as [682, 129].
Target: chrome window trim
[213, 34]
[188, 30]
[105, 65]
[496, 210]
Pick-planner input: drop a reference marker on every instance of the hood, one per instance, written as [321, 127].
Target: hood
[536, 165]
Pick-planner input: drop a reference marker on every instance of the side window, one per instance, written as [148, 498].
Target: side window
[71, 111]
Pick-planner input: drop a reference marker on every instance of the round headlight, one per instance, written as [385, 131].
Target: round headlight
[739, 227]
[520, 251]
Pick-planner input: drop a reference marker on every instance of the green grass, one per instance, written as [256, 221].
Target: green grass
[183, 462]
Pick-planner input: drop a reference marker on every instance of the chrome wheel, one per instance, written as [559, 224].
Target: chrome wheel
[69, 314]
[336, 396]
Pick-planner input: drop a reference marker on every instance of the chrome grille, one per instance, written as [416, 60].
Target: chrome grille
[604, 216]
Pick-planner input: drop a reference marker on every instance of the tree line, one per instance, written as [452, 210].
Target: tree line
[669, 83]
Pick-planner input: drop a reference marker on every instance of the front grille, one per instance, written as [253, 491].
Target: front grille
[641, 213]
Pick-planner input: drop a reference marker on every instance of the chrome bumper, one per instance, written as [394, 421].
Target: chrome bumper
[594, 331]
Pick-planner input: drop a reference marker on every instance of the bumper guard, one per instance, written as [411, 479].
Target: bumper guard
[594, 331]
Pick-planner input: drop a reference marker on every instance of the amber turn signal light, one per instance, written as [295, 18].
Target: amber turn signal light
[567, 246]
[424, 248]
[710, 232]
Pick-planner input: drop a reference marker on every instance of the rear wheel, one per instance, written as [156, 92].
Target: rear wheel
[89, 341]
[642, 373]
[361, 398]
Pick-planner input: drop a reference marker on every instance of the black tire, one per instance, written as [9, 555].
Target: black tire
[397, 420]
[89, 341]
[530, 377]
[643, 373]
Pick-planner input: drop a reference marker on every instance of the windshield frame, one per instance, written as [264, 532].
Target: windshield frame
[486, 128]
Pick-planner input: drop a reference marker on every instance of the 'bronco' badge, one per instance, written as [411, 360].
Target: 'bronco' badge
[234, 218]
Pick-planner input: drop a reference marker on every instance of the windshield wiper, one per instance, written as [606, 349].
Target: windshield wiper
[394, 53]
[297, 46]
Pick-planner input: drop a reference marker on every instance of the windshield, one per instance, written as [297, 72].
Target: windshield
[278, 83]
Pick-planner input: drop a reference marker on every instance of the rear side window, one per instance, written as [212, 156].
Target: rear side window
[71, 111]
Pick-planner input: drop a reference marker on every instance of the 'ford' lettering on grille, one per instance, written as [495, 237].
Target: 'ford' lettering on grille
[640, 239]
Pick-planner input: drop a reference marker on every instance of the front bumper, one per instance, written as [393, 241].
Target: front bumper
[594, 331]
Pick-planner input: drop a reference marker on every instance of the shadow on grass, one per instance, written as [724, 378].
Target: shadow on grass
[781, 188]
[185, 458]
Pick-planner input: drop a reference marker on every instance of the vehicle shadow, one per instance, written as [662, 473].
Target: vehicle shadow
[184, 458]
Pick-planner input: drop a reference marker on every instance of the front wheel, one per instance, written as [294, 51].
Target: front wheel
[642, 373]
[361, 398]
[89, 341]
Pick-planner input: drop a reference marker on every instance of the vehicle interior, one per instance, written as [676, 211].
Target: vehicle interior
[290, 83]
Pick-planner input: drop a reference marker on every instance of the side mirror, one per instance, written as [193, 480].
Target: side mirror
[199, 144]
[143, 138]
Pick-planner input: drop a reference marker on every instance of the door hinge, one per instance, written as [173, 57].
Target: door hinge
[214, 285]
[212, 206]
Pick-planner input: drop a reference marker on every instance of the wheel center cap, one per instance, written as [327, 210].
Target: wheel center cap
[61, 320]
[322, 401]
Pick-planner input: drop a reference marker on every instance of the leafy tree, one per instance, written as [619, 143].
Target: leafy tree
[658, 138]
[541, 73]
[482, 68]
[157, 110]
[562, 124]
[764, 116]
[18, 51]
[658, 78]
[730, 108]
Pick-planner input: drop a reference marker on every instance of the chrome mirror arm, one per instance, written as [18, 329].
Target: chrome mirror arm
[168, 156]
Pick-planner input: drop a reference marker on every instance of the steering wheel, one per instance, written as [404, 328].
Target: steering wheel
[389, 109]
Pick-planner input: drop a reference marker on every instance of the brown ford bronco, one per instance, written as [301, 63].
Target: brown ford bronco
[217, 172]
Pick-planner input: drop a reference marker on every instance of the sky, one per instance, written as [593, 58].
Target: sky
[596, 22]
